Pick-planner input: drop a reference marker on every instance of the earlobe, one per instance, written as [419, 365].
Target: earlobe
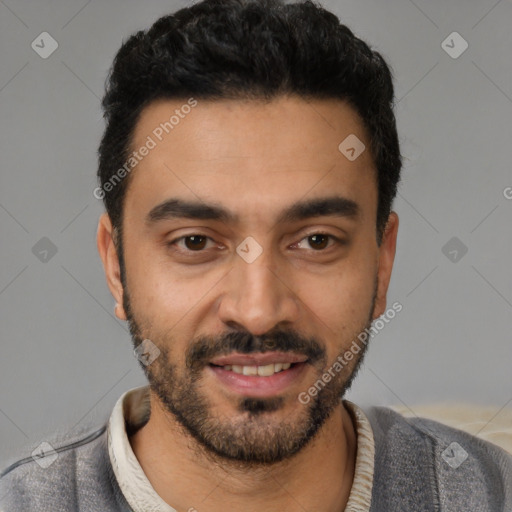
[108, 254]
[387, 252]
[120, 312]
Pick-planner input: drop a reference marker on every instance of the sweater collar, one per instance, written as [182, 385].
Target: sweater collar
[131, 412]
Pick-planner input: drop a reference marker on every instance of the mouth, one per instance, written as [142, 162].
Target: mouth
[261, 371]
[259, 375]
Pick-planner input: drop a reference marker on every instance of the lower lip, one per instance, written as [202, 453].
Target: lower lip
[256, 386]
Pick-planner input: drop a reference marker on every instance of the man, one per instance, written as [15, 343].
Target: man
[248, 169]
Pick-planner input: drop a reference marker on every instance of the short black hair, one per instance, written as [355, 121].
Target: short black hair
[247, 49]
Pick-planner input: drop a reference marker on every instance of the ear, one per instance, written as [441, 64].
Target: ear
[386, 258]
[108, 255]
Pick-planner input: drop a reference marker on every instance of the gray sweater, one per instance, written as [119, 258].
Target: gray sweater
[420, 465]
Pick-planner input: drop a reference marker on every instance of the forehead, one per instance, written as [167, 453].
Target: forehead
[269, 153]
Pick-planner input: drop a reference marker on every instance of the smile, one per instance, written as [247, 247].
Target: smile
[259, 375]
[262, 371]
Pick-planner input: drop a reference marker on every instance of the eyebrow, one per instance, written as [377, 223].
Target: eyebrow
[332, 206]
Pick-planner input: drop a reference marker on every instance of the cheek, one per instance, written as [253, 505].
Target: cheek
[153, 292]
[162, 300]
[165, 302]
[342, 299]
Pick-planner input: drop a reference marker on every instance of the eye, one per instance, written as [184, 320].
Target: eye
[198, 243]
[191, 243]
[318, 241]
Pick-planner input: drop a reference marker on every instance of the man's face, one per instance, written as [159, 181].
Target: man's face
[257, 289]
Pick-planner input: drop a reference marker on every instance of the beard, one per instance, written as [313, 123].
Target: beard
[253, 437]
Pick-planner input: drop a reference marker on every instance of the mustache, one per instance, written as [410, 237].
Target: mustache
[206, 348]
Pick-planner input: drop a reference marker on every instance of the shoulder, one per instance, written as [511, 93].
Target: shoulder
[390, 427]
[58, 473]
[428, 459]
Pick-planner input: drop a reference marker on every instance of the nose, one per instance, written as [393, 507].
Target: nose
[258, 297]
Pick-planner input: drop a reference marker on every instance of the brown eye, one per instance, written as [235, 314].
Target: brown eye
[195, 242]
[318, 241]
[191, 243]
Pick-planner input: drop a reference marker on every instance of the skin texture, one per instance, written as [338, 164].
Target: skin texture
[254, 159]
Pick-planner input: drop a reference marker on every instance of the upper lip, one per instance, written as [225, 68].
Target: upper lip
[258, 359]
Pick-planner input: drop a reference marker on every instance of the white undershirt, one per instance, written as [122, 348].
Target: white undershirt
[133, 408]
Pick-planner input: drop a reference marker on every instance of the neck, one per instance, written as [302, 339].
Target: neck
[319, 477]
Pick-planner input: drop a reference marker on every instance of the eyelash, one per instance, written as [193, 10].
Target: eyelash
[335, 239]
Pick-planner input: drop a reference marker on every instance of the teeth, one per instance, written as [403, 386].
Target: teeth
[250, 370]
[262, 371]
[266, 371]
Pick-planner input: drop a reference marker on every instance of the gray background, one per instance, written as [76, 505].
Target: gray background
[65, 359]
